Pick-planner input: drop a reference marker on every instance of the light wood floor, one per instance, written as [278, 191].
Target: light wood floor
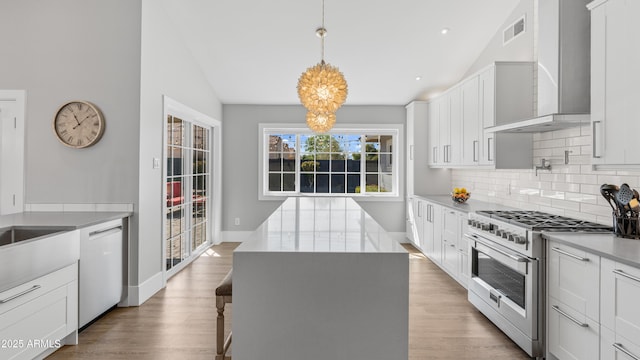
[179, 321]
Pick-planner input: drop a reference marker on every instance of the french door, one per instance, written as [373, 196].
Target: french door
[189, 191]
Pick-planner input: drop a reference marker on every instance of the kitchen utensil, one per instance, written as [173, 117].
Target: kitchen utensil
[624, 195]
[608, 191]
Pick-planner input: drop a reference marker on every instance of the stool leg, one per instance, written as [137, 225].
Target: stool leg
[220, 328]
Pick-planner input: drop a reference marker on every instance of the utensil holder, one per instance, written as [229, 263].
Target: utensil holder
[626, 227]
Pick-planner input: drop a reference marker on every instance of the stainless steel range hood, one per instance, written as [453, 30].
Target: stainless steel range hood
[563, 71]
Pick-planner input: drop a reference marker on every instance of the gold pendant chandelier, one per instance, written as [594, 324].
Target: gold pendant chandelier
[322, 89]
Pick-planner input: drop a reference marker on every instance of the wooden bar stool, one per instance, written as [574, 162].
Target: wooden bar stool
[223, 296]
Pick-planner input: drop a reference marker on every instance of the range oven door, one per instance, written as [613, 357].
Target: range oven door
[506, 281]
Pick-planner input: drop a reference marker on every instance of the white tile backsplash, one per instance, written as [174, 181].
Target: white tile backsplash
[567, 189]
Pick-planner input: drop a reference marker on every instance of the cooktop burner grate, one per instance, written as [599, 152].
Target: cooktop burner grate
[540, 221]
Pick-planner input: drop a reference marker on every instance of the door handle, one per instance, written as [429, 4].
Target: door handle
[31, 289]
[595, 134]
[628, 276]
[621, 348]
[560, 251]
[475, 150]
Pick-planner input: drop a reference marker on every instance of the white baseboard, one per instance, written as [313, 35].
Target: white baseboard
[137, 295]
[235, 236]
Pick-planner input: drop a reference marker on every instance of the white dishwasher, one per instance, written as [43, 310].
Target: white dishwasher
[101, 271]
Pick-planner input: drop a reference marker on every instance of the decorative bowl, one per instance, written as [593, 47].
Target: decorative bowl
[460, 198]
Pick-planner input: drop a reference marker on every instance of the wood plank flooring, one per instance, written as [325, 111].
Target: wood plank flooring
[179, 321]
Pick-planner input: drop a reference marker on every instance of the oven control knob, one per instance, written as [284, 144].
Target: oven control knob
[470, 222]
[505, 234]
[512, 237]
[520, 240]
[485, 227]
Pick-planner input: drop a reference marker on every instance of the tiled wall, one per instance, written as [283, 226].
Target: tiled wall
[571, 189]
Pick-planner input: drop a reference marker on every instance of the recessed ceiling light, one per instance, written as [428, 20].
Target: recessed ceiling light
[444, 31]
[418, 78]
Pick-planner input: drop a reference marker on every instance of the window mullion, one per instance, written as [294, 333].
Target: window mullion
[363, 164]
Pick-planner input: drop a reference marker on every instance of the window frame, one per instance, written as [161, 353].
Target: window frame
[396, 160]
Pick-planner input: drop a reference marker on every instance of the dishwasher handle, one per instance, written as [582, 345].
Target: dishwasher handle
[105, 232]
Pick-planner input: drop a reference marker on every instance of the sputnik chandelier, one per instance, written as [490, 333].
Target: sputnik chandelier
[322, 89]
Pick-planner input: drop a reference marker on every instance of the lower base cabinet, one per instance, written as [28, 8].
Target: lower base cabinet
[616, 347]
[571, 334]
[38, 317]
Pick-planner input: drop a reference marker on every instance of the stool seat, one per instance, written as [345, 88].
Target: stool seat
[223, 296]
[226, 286]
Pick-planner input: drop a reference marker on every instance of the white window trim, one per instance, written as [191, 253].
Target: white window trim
[398, 129]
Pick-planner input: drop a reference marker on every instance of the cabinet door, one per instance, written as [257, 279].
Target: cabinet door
[470, 122]
[410, 150]
[427, 240]
[464, 265]
[445, 127]
[620, 294]
[450, 236]
[616, 347]
[455, 126]
[436, 214]
[486, 90]
[435, 155]
[571, 334]
[574, 278]
[11, 151]
[619, 55]
[419, 210]
[410, 221]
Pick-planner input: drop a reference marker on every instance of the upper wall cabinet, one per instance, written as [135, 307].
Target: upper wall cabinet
[420, 178]
[496, 95]
[615, 70]
[12, 105]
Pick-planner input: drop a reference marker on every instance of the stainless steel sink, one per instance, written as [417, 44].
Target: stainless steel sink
[14, 234]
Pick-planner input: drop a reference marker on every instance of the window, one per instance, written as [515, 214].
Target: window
[349, 162]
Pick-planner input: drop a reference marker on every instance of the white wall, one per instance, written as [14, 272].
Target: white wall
[519, 49]
[60, 51]
[572, 190]
[240, 162]
[167, 69]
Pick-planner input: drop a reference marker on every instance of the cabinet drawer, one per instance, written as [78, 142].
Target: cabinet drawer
[21, 294]
[574, 278]
[572, 335]
[616, 347]
[39, 324]
[620, 294]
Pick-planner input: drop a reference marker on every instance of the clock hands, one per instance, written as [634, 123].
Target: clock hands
[80, 122]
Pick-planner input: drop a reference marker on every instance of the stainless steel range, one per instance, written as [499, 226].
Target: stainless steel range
[507, 269]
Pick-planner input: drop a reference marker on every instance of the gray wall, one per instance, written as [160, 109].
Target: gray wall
[167, 69]
[240, 161]
[75, 50]
[519, 49]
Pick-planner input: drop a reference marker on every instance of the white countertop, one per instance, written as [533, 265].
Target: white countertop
[73, 220]
[626, 251]
[315, 224]
[470, 206]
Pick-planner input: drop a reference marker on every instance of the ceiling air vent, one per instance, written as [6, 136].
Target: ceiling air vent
[513, 31]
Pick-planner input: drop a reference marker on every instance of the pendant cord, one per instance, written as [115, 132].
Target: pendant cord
[323, 34]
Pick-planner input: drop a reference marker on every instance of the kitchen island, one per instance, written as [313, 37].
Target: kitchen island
[320, 279]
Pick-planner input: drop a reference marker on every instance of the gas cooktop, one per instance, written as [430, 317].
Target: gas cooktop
[540, 221]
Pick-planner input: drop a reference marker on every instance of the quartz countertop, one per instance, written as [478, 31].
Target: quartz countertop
[626, 251]
[73, 220]
[315, 224]
[470, 206]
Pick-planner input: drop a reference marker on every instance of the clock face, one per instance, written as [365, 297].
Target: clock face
[78, 124]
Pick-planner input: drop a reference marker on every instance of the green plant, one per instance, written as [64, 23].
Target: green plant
[309, 165]
[371, 188]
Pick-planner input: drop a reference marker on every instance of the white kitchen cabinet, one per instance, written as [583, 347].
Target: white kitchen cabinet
[444, 104]
[464, 263]
[571, 335]
[420, 178]
[410, 220]
[434, 243]
[574, 276]
[616, 347]
[470, 121]
[39, 316]
[455, 126]
[435, 155]
[573, 306]
[620, 312]
[615, 70]
[455, 256]
[12, 105]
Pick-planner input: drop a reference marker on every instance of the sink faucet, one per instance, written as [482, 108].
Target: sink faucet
[546, 165]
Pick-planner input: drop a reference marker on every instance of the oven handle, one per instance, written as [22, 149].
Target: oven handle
[503, 252]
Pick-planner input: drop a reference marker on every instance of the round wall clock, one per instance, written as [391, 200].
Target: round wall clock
[78, 124]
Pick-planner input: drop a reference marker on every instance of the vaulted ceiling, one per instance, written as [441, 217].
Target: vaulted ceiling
[253, 51]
